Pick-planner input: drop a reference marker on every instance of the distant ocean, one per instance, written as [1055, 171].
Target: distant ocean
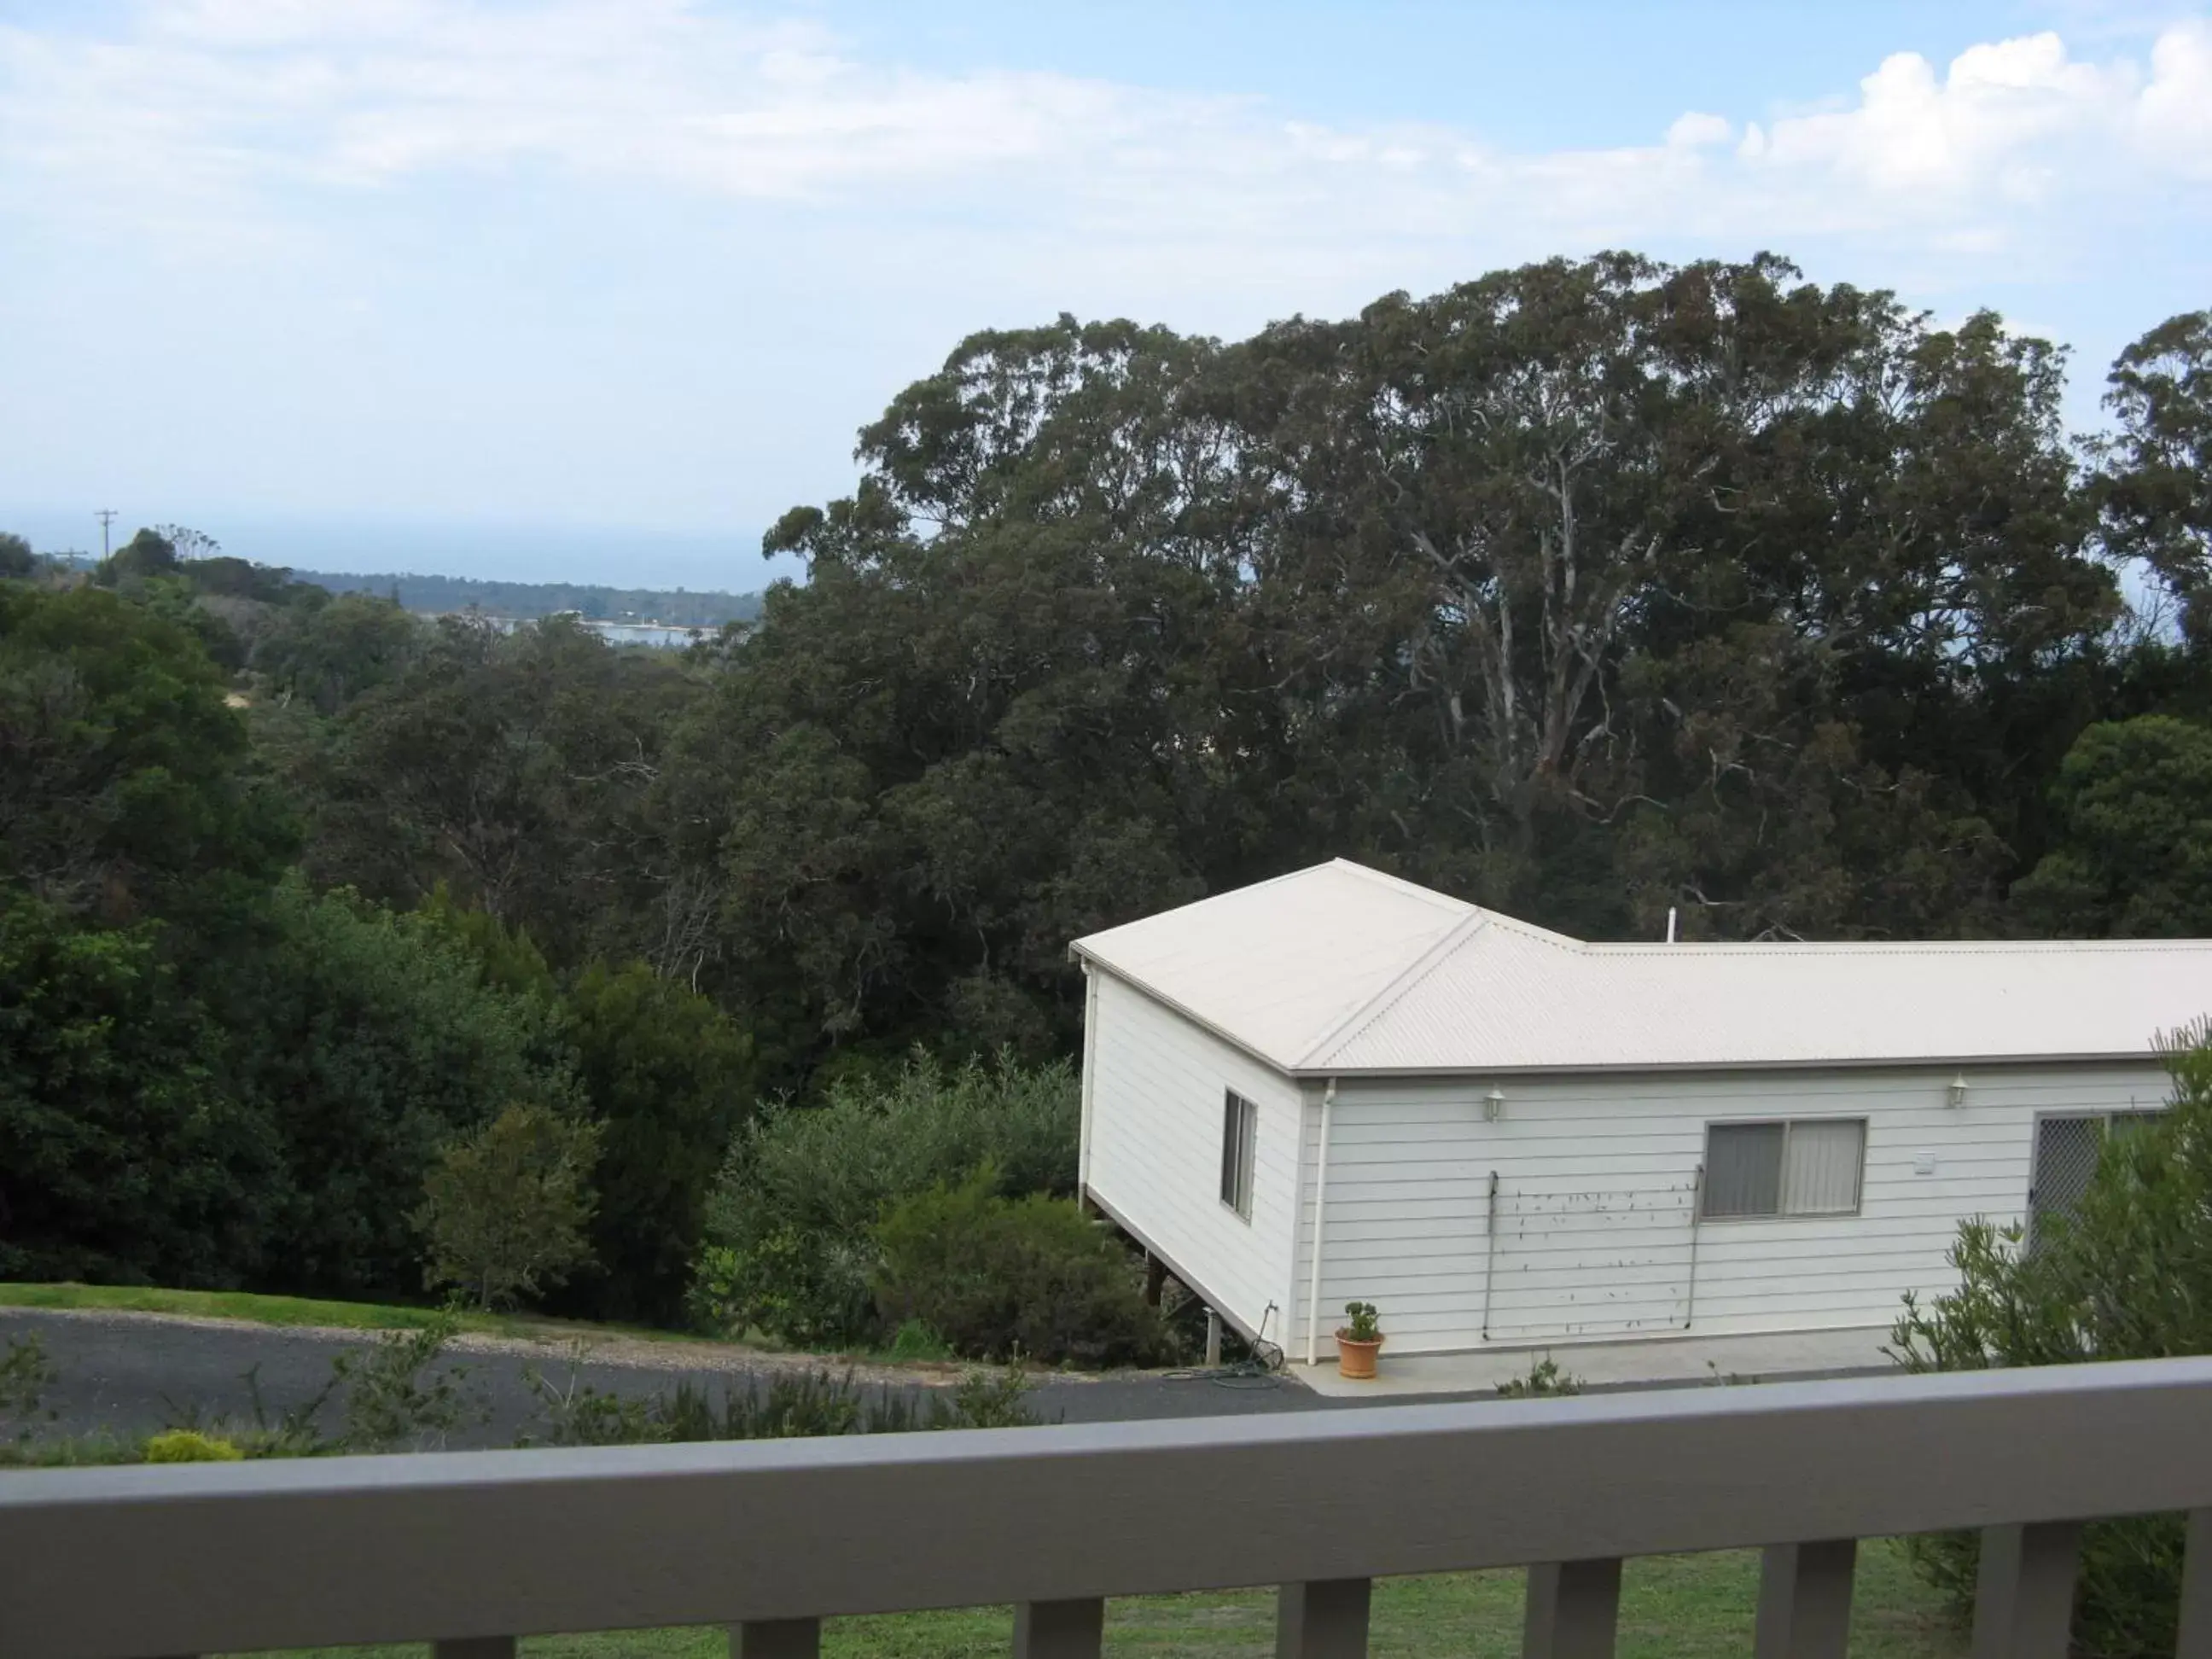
[725, 559]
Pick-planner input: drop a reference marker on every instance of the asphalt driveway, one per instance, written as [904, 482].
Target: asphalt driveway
[137, 1373]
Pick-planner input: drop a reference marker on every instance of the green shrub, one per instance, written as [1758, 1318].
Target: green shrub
[915, 1340]
[2128, 1276]
[789, 1246]
[787, 1405]
[999, 1276]
[372, 1042]
[669, 1078]
[25, 1376]
[399, 1393]
[505, 1207]
[809, 1290]
[1545, 1379]
[188, 1446]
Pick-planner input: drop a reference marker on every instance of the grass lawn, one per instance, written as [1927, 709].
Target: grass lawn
[305, 1310]
[1680, 1606]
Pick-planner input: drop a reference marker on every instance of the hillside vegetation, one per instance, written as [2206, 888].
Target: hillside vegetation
[1587, 591]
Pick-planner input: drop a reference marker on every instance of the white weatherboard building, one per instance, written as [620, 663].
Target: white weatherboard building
[1339, 1086]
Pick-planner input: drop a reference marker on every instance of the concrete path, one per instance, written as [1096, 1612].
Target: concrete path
[1651, 1361]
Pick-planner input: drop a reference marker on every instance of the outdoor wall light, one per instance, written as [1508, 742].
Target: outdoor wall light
[1493, 1104]
[1959, 1089]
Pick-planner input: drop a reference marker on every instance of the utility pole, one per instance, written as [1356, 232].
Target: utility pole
[107, 517]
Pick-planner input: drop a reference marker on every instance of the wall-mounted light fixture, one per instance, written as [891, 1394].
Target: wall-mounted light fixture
[1959, 1089]
[1494, 1104]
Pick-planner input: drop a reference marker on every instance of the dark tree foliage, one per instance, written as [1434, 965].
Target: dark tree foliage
[2155, 486]
[2133, 851]
[668, 1079]
[509, 766]
[1587, 590]
[125, 784]
[369, 1042]
[122, 1158]
[328, 655]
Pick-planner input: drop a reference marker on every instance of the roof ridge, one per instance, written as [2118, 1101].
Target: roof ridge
[1443, 901]
[1542, 935]
[1367, 1012]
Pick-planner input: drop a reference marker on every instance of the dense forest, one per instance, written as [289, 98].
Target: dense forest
[1586, 591]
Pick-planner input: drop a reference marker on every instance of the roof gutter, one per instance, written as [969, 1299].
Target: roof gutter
[1855, 1063]
[1320, 1198]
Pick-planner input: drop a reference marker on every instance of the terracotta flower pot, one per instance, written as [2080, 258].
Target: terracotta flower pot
[1356, 1359]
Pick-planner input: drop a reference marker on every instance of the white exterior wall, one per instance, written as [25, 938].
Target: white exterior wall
[1595, 1177]
[1153, 1087]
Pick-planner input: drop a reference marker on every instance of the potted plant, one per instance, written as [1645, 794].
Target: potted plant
[1359, 1340]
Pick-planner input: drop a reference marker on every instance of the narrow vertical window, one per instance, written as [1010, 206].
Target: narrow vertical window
[1240, 1129]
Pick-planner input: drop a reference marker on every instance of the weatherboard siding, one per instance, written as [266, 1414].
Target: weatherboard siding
[1596, 1186]
[1154, 1086]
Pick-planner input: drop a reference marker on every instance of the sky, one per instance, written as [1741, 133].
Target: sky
[595, 289]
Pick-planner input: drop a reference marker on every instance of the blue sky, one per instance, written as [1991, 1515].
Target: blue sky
[595, 288]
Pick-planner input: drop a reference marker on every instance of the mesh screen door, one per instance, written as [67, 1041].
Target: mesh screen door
[2065, 1157]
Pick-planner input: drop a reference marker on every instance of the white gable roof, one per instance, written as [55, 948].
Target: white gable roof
[1339, 969]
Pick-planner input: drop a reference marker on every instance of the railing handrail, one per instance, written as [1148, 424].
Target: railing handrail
[205, 1557]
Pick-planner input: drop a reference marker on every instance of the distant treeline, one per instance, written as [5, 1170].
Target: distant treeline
[443, 593]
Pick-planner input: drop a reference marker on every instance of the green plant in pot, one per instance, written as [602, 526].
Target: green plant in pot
[1359, 1339]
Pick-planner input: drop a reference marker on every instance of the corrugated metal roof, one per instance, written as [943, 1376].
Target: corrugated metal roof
[1339, 969]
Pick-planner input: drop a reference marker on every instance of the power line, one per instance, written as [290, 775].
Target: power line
[107, 517]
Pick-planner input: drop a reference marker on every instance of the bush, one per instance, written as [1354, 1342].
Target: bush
[126, 1161]
[669, 1078]
[1000, 1277]
[371, 1041]
[915, 1340]
[810, 1290]
[506, 1208]
[789, 1227]
[25, 1376]
[2128, 1276]
[790, 1404]
[189, 1446]
[1544, 1381]
[400, 1394]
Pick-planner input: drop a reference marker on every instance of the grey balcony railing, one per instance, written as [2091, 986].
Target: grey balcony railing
[470, 1550]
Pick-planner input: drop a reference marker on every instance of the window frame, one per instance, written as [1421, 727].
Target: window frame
[1782, 1169]
[1240, 1144]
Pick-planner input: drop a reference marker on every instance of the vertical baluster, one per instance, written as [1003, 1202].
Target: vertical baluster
[776, 1638]
[2195, 1641]
[1573, 1609]
[1805, 1600]
[1059, 1630]
[475, 1647]
[2024, 1597]
[1324, 1619]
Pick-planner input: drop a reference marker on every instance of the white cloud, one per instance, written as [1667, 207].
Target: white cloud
[596, 258]
[1694, 130]
[2174, 114]
[213, 105]
[1991, 122]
